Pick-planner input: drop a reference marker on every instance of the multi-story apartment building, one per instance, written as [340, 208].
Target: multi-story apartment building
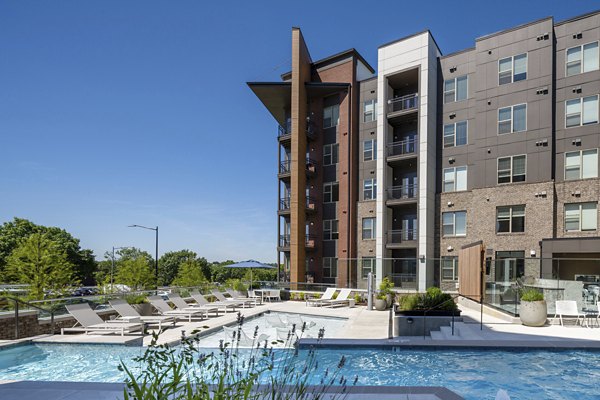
[394, 173]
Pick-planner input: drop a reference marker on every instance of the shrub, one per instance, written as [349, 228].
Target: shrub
[357, 298]
[409, 302]
[531, 295]
[381, 296]
[386, 285]
[135, 298]
[433, 298]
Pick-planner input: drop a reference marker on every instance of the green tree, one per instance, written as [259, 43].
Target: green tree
[135, 273]
[41, 262]
[190, 274]
[169, 264]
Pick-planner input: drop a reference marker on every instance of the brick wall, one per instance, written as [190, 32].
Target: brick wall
[566, 192]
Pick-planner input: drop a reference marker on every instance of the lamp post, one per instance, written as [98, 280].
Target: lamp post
[112, 266]
[156, 253]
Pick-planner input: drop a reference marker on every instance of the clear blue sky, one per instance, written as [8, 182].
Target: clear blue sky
[137, 112]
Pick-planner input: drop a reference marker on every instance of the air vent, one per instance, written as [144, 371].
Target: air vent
[577, 35]
[542, 91]
[452, 115]
[577, 89]
[544, 36]
[452, 69]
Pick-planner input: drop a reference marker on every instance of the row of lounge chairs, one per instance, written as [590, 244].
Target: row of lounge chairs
[327, 300]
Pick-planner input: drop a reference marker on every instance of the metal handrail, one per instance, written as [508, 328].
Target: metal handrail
[18, 301]
[406, 102]
[401, 147]
[452, 298]
[402, 192]
[404, 234]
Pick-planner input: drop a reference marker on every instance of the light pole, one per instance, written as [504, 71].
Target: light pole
[156, 253]
[112, 267]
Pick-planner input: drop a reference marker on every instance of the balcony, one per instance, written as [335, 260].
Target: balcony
[401, 195]
[311, 204]
[401, 238]
[285, 242]
[285, 169]
[403, 105]
[285, 205]
[284, 133]
[402, 149]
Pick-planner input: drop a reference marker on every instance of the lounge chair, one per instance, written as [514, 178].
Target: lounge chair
[89, 321]
[341, 299]
[252, 295]
[164, 309]
[181, 304]
[201, 300]
[568, 308]
[222, 299]
[126, 311]
[244, 340]
[328, 295]
[235, 295]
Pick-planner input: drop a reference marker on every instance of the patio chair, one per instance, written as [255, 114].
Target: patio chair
[568, 308]
[244, 340]
[252, 295]
[272, 294]
[341, 299]
[235, 295]
[89, 321]
[328, 295]
[181, 304]
[201, 300]
[164, 309]
[221, 298]
[126, 311]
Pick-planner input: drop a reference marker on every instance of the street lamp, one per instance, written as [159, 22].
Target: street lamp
[112, 267]
[156, 254]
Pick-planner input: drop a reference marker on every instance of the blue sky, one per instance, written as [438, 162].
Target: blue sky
[136, 112]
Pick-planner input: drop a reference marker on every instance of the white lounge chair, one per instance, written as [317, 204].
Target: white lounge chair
[568, 308]
[89, 321]
[328, 295]
[126, 311]
[244, 340]
[252, 295]
[235, 295]
[341, 299]
[164, 309]
[202, 301]
[221, 298]
[181, 304]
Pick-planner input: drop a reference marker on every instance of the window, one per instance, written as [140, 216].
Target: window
[512, 119]
[455, 134]
[582, 111]
[329, 267]
[330, 229]
[581, 217]
[330, 154]
[455, 179]
[581, 164]
[512, 69]
[368, 228]
[370, 189]
[454, 223]
[367, 265]
[449, 268]
[512, 169]
[510, 219]
[331, 116]
[370, 150]
[574, 63]
[455, 89]
[331, 192]
[369, 110]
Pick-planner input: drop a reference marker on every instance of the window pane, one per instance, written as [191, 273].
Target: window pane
[503, 212]
[461, 88]
[448, 224]
[505, 64]
[504, 114]
[589, 216]
[590, 110]
[449, 180]
[574, 54]
[520, 118]
[519, 165]
[461, 133]
[572, 217]
[520, 67]
[448, 85]
[460, 223]
[449, 135]
[518, 211]
[518, 224]
[504, 163]
[461, 178]
[503, 225]
[590, 164]
[590, 57]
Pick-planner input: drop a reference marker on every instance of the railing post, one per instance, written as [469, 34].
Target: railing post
[453, 321]
[16, 319]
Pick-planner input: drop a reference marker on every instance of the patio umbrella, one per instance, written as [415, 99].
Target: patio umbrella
[250, 264]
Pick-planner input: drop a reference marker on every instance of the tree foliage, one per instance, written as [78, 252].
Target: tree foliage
[135, 273]
[190, 274]
[169, 264]
[43, 264]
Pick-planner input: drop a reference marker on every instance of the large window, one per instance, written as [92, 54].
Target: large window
[510, 219]
[582, 59]
[368, 228]
[582, 111]
[331, 116]
[512, 119]
[512, 69]
[329, 267]
[331, 192]
[330, 154]
[455, 89]
[454, 223]
[512, 169]
[581, 217]
[455, 134]
[370, 150]
[370, 189]
[330, 229]
[369, 110]
[449, 268]
[455, 179]
[581, 164]
[367, 265]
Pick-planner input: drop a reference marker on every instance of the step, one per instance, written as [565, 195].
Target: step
[468, 331]
[447, 332]
[437, 335]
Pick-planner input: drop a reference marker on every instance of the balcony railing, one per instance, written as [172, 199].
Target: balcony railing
[402, 192]
[284, 204]
[402, 147]
[310, 241]
[401, 235]
[404, 103]
[284, 132]
[284, 241]
[285, 167]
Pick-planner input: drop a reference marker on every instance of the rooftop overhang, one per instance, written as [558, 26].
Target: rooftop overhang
[277, 96]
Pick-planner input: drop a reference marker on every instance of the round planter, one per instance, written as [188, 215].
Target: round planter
[144, 309]
[533, 313]
[380, 304]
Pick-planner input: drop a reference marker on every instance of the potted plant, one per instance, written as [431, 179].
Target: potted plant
[385, 288]
[381, 301]
[533, 310]
[140, 303]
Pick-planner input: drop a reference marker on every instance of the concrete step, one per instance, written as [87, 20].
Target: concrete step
[437, 335]
[447, 332]
[468, 331]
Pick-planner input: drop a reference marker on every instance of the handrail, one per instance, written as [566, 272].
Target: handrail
[18, 301]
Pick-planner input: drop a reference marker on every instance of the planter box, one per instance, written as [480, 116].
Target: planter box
[418, 325]
[533, 313]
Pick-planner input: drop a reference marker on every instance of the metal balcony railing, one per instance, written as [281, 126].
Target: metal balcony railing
[284, 204]
[284, 131]
[404, 103]
[401, 235]
[402, 192]
[285, 166]
[402, 147]
[310, 241]
[284, 241]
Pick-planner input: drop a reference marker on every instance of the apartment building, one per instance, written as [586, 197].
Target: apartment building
[397, 171]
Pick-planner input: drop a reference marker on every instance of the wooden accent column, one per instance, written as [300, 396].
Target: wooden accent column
[470, 271]
[300, 75]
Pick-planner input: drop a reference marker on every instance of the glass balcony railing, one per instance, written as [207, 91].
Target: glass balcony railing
[310, 241]
[403, 192]
[285, 204]
[404, 103]
[398, 236]
[285, 132]
[403, 147]
[285, 167]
